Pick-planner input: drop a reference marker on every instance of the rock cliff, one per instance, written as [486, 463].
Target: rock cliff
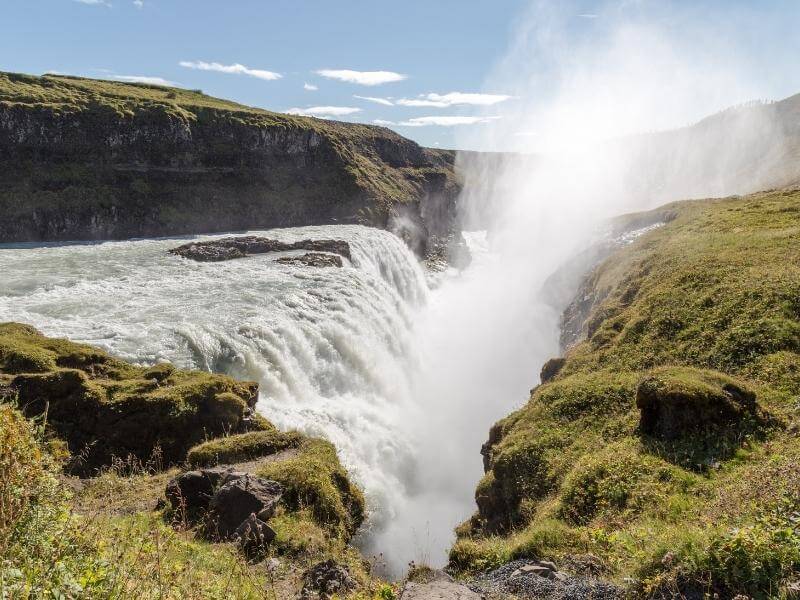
[84, 159]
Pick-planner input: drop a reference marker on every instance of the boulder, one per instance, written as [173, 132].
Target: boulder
[253, 536]
[438, 590]
[237, 498]
[676, 402]
[325, 579]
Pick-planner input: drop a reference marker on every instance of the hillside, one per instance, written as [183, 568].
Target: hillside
[130, 526]
[90, 159]
[662, 449]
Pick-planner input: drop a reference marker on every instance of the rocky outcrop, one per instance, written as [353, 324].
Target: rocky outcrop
[86, 160]
[106, 409]
[239, 247]
[312, 259]
[230, 504]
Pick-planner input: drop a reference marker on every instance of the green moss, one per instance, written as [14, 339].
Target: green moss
[242, 447]
[315, 479]
[106, 408]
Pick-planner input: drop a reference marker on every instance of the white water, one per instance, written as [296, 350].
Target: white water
[332, 348]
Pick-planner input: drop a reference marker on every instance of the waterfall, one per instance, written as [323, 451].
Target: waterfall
[333, 349]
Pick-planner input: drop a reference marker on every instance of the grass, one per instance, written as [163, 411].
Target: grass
[243, 447]
[665, 445]
[105, 408]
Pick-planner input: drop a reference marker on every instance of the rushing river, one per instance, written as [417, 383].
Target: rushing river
[332, 348]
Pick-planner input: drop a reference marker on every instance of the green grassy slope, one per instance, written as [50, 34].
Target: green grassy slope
[87, 159]
[667, 443]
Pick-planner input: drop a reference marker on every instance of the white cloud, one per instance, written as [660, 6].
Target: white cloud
[235, 69]
[324, 111]
[383, 122]
[587, 16]
[138, 3]
[310, 87]
[445, 121]
[383, 101]
[95, 2]
[145, 79]
[454, 99]
[362, 77]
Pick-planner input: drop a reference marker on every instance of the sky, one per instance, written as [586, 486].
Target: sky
[422, 67]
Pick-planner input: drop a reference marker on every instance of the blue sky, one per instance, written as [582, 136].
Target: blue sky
[430, 60]
[440, 46]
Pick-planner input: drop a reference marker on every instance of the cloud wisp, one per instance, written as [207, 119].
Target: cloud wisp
[368, 78]
[95, 2]
[145, 79]
[438, 121]
[310, 87]
[235, 69]
[454, 99]
[382, 101]
[323, 112]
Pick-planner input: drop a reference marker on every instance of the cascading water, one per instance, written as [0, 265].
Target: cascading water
[332, 348]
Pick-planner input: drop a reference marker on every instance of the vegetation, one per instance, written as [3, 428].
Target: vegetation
[243, 447]
[104, 408]
[107, 536]
[315, 479]
[666, 443]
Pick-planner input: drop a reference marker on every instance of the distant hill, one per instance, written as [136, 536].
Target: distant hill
[90, 159]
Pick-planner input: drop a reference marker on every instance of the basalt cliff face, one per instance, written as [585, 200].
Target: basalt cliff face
[85, 159]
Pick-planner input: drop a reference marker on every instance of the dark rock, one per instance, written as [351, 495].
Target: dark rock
[313, 259]
[551, 368]
[326, 579]
[238, 247]
[253, 536]
[237, 497]
[191, 492]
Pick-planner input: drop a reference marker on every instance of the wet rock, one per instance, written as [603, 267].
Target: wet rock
[325, 579]
[238, 247]
[237, 498]
[313, 259]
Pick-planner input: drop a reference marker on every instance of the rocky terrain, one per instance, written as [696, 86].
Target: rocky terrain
[84, 159]
[238, 247]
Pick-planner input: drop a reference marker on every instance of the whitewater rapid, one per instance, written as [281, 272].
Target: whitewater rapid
[332, 348]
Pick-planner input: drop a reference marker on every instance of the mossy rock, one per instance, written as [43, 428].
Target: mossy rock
[243, 447]
[680, 402]
[314, 479]
[105, 408]
[621, 479]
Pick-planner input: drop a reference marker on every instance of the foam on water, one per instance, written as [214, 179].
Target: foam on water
[332, 348]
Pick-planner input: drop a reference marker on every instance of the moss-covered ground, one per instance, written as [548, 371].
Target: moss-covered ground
[667, 445]
[112, 535]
